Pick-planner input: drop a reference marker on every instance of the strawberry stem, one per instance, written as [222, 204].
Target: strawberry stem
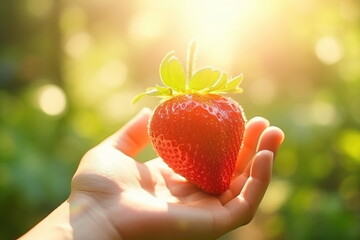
[191, 58]
[204, 81]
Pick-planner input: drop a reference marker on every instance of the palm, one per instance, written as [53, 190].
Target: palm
[150, 201]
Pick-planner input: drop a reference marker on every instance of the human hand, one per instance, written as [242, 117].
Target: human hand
[126, 199]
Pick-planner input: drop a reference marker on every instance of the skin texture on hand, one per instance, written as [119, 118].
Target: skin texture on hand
[115, 197]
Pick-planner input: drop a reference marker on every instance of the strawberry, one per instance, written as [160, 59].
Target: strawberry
[197, 131]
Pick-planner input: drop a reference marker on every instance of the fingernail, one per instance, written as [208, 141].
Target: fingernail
[266, 153]
[259, 119]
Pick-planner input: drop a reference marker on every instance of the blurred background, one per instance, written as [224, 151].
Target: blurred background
[69, 69]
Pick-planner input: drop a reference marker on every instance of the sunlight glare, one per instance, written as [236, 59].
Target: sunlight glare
[220, 26]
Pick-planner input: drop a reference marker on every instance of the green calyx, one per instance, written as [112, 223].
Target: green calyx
[204, 81]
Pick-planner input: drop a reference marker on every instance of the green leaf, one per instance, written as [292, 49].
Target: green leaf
[158, 91]
[172, 73]
[236, 90]
[204, 78]
[220, 83]
[233, 83]
[138, 98]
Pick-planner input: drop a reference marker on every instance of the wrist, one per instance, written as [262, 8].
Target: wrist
[55, 226]
[88, 220]
[80, 217]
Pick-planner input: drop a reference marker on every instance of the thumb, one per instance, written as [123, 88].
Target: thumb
[132, 137]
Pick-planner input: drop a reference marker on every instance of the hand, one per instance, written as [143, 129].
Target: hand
[150, 201]
[115, 197]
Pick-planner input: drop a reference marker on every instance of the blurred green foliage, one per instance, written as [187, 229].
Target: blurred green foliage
[68, 71]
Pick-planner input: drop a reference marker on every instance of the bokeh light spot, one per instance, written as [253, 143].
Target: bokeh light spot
[51, 100]
[328, 50]
[323, 113]
[78, 44]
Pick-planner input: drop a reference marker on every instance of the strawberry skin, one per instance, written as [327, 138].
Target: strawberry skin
[197, 131]
[199, 136]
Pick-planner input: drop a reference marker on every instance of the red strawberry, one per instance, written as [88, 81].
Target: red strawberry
[197, 132]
